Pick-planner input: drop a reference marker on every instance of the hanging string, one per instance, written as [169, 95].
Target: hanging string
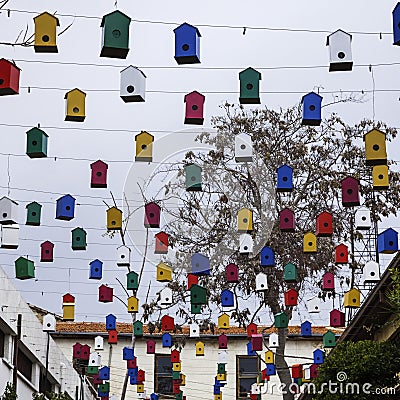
[373, 92]
[9, 176]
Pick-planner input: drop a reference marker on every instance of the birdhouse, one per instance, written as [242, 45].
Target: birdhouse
[8, 211]
[340, 56]
[166, 296]
[144, 147]
[227, 299]
[123, 256]
[194, 330]
[396, 25]
[309, 243]
[319, 356]
[324, 224]
[375, 147]
[24, 268]
[388, 241]
[138, 329]
[194, 108]
[314, 305]
[97, 380]
[111, 322]
[371, 272]
[141, 376]
[133, 372]
[115, 36]
[95, 359]
[112, 337]
[286, 220]
[251, 330]
[350, 192]
[187, 44]
[105, 294]
[245, 244]
[166, 340]
[291, 298]
[162, 239]
[139, 388]
[193, 177]
[175, 355]
[114, 219]
[255, 389]
[273, 340]
[284, 179]
[311, 109]
[290, 273]
[133, 304]
[245, 220]
[362, 219]
[164, 272]
[337, 319]
[222, 357]
[99, 174]
[36, 141]
[133, 85]
[92, 370]
[257, 342]
[9, 236]
[76, 351]
[46, 33]
[78, 239]
[9, 78]
[75, 101]
[65, 208]
[68, 307]
[177, 367]
[223, 321]
[352, 298]
[329, 339]
[250, 351]
[198, 294]
[249, 86]
[271, 369]
[49, 323]
[192, 280]
[223, 341]
[98, 343]
[46, 252]
[85, 352]
[104, 388]
[153, 396]
[132, 364]
[232, 273]
[305, 329]
[341, 254]
[328, 281]
[281, 320]
[267, 257]
[33, 213]
[95, 269]
[128, 353]
[152, 212]
[380, 177]
[167, 323]
[261, 282]
[200, 264]
[297, 371]
[243, 148]
[269, 357]
[104, 373]
[132, 280]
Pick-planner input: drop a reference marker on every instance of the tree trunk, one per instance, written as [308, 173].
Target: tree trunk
[282, 367]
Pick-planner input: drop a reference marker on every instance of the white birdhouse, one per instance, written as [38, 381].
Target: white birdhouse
[98, 343]
[363, 218]
[245, 244]
[194, 330]
[95, 359]
[340, 56]
[314, 305]
[166, 296]
[49, 323]
[371, 272]
[307, 373]
[123, 256]
[243, 148]
[255, 389]
[223, 357]
[142, 395]
[261, 282]
[273, 341]
[133, 85]
[9, 236]
[8, 211]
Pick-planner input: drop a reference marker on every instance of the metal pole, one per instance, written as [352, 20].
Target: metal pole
[47, 362]
[15, 358]
[353, 262]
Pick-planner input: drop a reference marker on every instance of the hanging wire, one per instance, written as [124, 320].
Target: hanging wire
[373, 92]
[9, 176]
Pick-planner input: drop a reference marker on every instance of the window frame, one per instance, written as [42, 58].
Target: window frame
[24, 365]
[239, 376]
[157, 374]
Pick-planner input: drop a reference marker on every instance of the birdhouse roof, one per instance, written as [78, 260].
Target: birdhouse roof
[34, 203]
[6, 199]
[95, 261]
[3, 60]
[161, 234]
[78, 229]
[373, 132]
[186, 25]
[283, 167]
[152, 204]
[311, 94]
[45, 15]
[133, 68]
[250, 71]
[73, 91]
[116, 12]
[339, 31]
[66, 196]
[35, 130]
[350, 178]
[144, 133]
[99, 162]
[388, 230]
[113, 208]
[47, 243]
[68, 298]
[195, 93]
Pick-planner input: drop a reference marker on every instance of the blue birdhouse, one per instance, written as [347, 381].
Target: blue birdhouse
[111, 322]
[102, 394]
[187, 44]
[284, 178]
[154, 396]
[271, 369]
[133, 372]
[227, 299]
[267, 257]
[65, 208]
[96, 269]
[388, 242]
[128, 353]
[396, 25]
[104, 373]
[250, 351]
[200, 264]
[166, 340]
[133, 380]
[306, 329]
[311, 105]
[217, 389]
[318, 356]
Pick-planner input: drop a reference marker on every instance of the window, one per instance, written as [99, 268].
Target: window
[163, 374]
[2, 340]
[24, 365]
[247, 370]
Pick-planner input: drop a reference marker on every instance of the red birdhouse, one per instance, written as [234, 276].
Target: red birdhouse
[286, 220]
[68, 298]
[223, 342]
[297, 371]
[337, 319]
[192, 280]
[194, 108]
[291, 298]
[232, 273]
[96, 380]
[152, 212]
[324, 224]
[314, 371]
[99, 174]
[46, 252]
[112, 337]
[350, 193]
[105, 294]
[85, 352]
[131, 363]
[9, 78]
[151, 346]
[175, 356]
[176, 388]
[257, 342]
[328, 281]
[264, 375]
[141, 376]
[76, 351]
[341, 254]
[167, 323]
[251, 330]
[161, 243]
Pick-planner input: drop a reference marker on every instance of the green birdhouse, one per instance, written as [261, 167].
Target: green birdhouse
[138, 329]
[132, 280]
[198, 295]
[193, 178]
[176, 375]
[290, 273]
[329, 339]
[78, 239]
[92, 370]
[36, 143]
[281, 320]
[33, 212]
[221, 369]
[115, 43]
[195, 308]
[179, 396]
[24, 268]
[249, 86]
[104, 387]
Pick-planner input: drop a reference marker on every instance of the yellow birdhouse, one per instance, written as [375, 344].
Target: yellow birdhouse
[68, 312]
[223, 321]
[114, 219]
[375, 147]
[245, 220]
[140, 388]
[164, 273]
[221, 377]
[218, 396]
[176, 367]
[352, 298]
[183, 380]
[75, 105]
[199, 349]
[133, 304]
[309, 243]
[269, 357]
[46, 33]
[380, 177]
[144, 146]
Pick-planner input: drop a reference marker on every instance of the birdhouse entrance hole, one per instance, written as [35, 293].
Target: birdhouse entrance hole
[4, 215]
[34, 213]
[130, 89]
[249, 86]
[75, 110]
[312, 107]
[116, 33]
[34, 142]
[341, 55]
[45, 38]
[1, 81]
[144, 147]
[194, 107]
[185, 47]
[310, 243]
[375, 147]
[67, 207]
